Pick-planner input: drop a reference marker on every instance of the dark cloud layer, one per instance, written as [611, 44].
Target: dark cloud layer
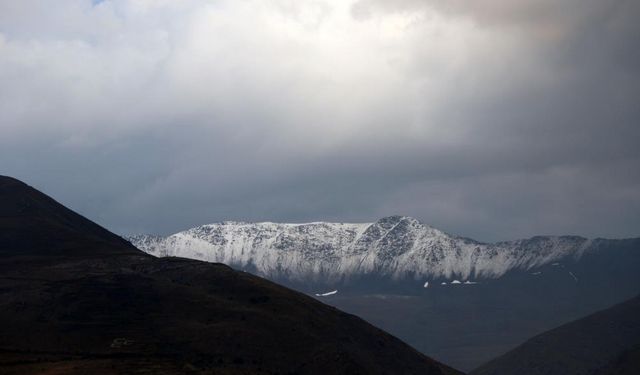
[489, 119]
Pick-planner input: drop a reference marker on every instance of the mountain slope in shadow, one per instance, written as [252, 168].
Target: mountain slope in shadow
[604, 343]
[76, 299]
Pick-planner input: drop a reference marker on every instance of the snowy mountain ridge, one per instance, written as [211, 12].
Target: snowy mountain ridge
[397, 246]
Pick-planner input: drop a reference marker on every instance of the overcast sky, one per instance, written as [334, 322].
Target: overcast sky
[492, 119]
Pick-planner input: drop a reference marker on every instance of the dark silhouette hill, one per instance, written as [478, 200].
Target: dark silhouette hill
[34, 224]
[604, 343]
[77, 299]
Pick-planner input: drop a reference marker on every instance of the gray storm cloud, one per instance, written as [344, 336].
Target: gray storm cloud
[489, 119]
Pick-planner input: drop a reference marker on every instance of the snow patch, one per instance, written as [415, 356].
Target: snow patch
[326, 294]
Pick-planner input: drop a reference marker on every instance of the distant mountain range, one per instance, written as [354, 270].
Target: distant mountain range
[397, 247]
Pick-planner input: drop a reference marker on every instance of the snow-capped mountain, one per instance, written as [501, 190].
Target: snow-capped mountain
[397, 247]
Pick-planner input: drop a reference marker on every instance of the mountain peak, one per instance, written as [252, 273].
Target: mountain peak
[35, 223]
[8, 181]
[392, 219]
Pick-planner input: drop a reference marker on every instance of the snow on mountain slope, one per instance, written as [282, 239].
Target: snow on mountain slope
[398, 247]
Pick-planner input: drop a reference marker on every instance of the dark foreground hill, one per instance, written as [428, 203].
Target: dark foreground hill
[77, 299]
[604, 343]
